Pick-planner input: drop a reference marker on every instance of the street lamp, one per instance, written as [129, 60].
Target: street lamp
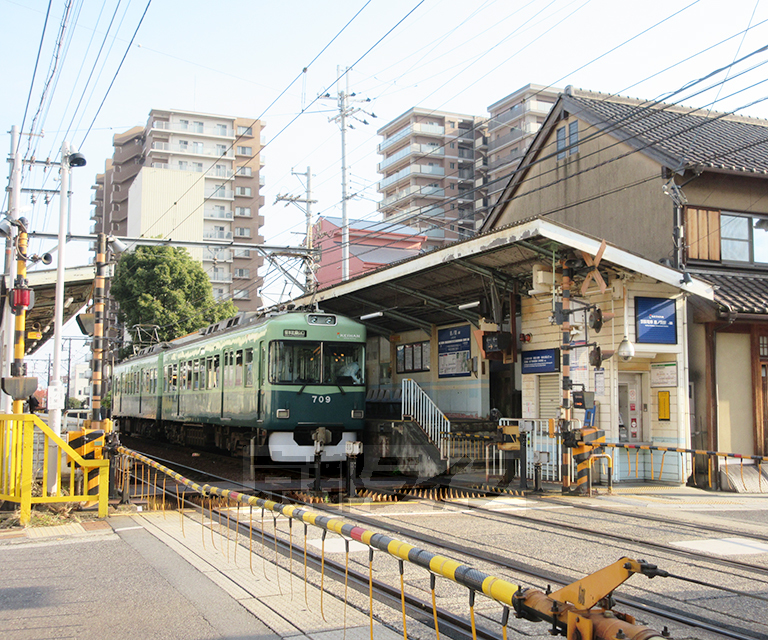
[55, 396]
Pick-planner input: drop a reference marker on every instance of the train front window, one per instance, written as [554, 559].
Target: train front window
[294, 362]
[343, 364]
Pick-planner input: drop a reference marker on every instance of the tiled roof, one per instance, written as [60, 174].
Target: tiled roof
[742, 292]
[693, 136]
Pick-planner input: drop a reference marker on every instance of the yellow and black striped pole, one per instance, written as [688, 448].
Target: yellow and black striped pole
[98, 330]
[592, 440]
[17, 368]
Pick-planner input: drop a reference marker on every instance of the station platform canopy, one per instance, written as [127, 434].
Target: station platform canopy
[78, 287]
[428, 290]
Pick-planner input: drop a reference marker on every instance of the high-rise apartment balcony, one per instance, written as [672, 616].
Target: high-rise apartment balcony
[220, 277]
[413, 213]
[481, 164]
[217, 235]
[517, 134]
[414, 191]
[465, 174]
[217, 255]
[218, 130]
[192, 149]
[532, 107]
[219, 192]
[481, 143]
[413, 129]
[217, 214]
[513, 157]
[420, 150]
[413, 169]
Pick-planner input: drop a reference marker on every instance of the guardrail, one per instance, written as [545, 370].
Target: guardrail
[18, 475]
[712, 455]
[419, 407]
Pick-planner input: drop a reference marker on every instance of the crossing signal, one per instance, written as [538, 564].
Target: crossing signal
[597, 355]
[597, 319]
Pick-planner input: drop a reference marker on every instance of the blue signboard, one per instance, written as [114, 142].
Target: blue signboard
[656, 320]
[541, 361]
[453, 352]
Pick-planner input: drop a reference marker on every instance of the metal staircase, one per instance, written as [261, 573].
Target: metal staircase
[418, 407]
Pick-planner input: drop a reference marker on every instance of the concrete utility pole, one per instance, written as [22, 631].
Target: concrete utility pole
[14, 183]
[308, 202]
[345, 113]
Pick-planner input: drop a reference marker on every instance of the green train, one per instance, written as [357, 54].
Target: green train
[254, 380]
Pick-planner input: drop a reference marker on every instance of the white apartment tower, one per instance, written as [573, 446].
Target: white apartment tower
[428, 173]
[513, 121]
[190, 176]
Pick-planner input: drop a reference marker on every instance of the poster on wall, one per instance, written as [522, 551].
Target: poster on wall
[541, 361]
[656, 320]
[453, 352]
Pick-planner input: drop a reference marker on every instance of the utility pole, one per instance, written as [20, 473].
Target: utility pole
[14, 182]
[345, 113]
[308, 202]
[69, 372]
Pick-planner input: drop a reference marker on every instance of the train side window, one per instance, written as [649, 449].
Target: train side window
[196, 374]
[216, 373]
[182, 376]
[239, 368]
[175, 378]
[249, 367]
[189, 374]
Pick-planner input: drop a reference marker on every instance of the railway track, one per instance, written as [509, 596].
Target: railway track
[647, 603]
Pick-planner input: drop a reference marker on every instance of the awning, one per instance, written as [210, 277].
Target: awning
[427, 290]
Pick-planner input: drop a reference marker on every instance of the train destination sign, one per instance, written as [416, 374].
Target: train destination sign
[656, 320]
[541, 361]
[294, 333]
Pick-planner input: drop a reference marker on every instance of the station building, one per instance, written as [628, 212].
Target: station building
[430, 317]
[659, 210]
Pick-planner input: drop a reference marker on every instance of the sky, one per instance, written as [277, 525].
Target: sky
[271, 60]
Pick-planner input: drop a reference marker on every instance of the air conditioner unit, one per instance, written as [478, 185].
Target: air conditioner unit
[543, 280]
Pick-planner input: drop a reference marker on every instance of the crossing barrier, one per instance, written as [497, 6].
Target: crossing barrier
[18, 473]
[506, 594]
[712, 455]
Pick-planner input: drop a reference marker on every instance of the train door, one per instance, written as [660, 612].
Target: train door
[260, 384]
[630, 407]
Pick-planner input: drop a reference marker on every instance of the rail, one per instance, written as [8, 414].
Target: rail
[504, 593]
[19, 434]
[419, 407]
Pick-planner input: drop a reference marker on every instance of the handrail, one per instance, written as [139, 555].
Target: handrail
[17, 472]
[419, 407]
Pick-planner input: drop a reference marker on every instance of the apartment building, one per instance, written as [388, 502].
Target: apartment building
[428, 173]
[511, 126]
[190, 176]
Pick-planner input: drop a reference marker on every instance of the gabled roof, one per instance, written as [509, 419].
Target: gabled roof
[676, 137]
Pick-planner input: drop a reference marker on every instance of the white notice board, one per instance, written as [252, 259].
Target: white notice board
[664, 374]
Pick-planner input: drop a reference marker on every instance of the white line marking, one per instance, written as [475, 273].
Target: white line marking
[127, 528]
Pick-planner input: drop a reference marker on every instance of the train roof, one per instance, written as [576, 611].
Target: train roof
[227, 325]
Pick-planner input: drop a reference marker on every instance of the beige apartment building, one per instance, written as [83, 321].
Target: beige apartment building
[190, 176]
[512, 123]
[428, 173]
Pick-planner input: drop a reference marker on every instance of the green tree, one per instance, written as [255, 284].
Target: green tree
[165, 286]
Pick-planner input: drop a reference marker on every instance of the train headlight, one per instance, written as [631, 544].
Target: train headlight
[358, 414]
[283, 413]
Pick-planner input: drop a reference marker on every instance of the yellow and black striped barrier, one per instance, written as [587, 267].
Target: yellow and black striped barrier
[501, 591]
[89, 443]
